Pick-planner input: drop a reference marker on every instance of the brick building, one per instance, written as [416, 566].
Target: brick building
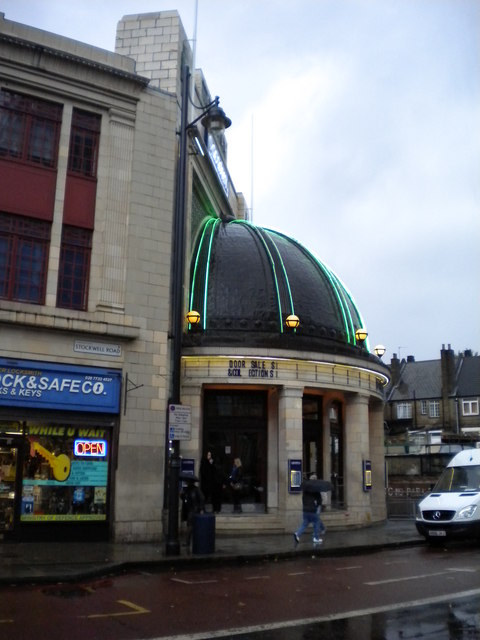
[440, 396]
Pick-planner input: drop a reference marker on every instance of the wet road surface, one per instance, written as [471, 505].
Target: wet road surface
[454, 619]
[366, 596]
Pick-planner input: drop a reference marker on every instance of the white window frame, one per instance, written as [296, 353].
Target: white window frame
[434, 408]
[404, 411]
[423, 407]
[470, 407]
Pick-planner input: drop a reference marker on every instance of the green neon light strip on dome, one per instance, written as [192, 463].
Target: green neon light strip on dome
[350, 299]
[343, 307]
[345, 298]
[359, 316]
[207, 272]
[329, 275]
[197, 259]
[270, 234]
[257, 231]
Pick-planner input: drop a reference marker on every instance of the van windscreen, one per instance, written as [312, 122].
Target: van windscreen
[455, 479]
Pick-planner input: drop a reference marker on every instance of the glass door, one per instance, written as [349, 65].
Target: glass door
[312, 436]
[8, 474]
[336, 456]
[236, 427]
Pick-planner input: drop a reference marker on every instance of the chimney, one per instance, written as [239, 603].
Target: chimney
[448, 384]
[395, 370]
[448, 370]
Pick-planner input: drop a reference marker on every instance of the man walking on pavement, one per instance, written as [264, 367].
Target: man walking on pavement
[312, 503]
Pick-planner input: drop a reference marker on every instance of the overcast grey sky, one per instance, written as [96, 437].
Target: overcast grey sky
[356, 131]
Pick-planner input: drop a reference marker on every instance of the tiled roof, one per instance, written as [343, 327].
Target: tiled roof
[423, 380]
[469, 378]
[420, 380]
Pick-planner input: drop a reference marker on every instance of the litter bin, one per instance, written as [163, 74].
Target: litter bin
[203, 533]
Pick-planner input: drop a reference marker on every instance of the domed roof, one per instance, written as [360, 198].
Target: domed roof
[245, 280]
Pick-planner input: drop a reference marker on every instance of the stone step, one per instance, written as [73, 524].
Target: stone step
[251, 521]
[243, 523]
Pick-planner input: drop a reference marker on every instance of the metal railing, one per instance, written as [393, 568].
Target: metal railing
[401, 508]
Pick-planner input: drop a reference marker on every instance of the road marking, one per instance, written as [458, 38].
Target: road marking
[298, 573]
[353, 566]
[136, 610]
[193, 581]
[6, 620]
[258, 578]
[222, 633]
[464, 570]
[417, 577]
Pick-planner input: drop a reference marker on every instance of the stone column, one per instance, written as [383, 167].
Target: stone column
[290, 447]
[357, 449]
[109, 273]
[377, 453]
[56, 230]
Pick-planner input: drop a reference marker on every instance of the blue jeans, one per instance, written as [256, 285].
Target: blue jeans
[311, 517]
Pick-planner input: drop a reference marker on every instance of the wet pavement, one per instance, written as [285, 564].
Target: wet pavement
[31, 562]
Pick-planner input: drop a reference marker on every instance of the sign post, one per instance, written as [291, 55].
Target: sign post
[179, 422]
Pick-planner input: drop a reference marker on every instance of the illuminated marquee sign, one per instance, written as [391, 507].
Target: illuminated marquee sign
[245, 370]
[90, 448]
[218, 163]
[241, 368]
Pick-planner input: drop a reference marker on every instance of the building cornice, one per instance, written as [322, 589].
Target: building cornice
[69, 56]
[119, 327]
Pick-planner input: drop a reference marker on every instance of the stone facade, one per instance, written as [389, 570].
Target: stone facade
[126, 325]
[360, 399]
[129, 284]
[156, 41]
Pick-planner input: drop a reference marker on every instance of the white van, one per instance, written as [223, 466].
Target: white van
[452, 509]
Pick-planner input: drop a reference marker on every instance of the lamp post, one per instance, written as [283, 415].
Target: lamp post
[214, 119]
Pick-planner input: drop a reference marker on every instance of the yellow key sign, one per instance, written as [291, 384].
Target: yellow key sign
[60, 464]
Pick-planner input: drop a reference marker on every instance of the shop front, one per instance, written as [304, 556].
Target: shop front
[58, 426]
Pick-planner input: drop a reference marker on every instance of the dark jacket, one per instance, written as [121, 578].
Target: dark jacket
[210, 476]
[311, 501]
